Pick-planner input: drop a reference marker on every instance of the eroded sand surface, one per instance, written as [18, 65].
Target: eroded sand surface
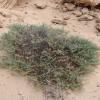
[15, 87]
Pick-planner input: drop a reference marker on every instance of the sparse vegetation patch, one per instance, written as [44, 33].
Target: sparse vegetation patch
[48, 54]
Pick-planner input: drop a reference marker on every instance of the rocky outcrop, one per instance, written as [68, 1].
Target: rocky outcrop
[85, 2]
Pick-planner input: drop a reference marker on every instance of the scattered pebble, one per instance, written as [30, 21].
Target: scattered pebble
[1, 25]
[98, 27]
[26, 12]
[59, 21]
[67, 17]
[86, 18]
[98, 85]
[69, 6]
[4, 14]
[77, 13]
[64, 9]
[40, 5]
[98, 20]
[85, 10]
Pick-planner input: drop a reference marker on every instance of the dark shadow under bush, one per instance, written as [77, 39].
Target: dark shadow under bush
[48, 54]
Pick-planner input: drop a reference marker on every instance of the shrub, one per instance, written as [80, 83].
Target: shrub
[48, 54]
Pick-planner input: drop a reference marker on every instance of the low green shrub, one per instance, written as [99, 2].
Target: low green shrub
[48, 54]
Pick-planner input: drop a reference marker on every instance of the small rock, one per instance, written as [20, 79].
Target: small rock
[77, 13]
[86, 18]
[66, 17]
[98, 84]
[98, 27]
[4, 14]
[97, 15]
[1, 26]
[85, 10]
[69, 6]
[26, 12]
[79, 8]
[59, 21]
[97, 10]
[98, 20]
[64, 9]
[92, 13]
[26, 2]
[40, 5]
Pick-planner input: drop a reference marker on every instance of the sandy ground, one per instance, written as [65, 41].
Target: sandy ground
[15, 87]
